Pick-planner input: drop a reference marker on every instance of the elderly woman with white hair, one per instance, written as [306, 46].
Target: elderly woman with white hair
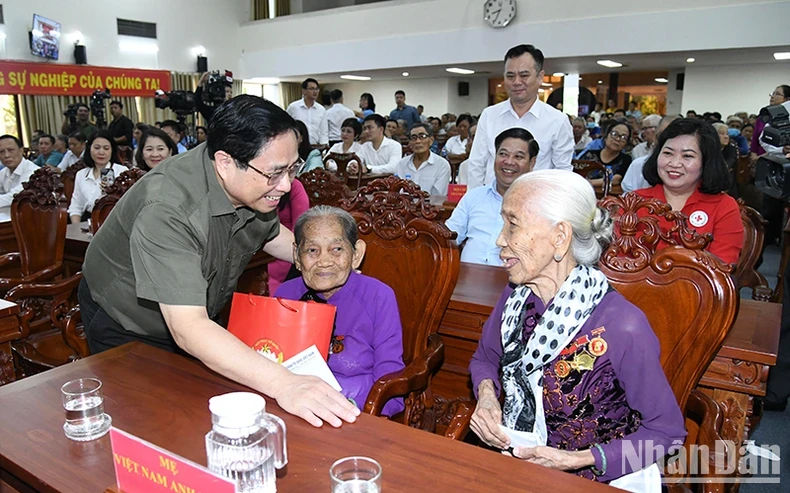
[649, 126]
[579, 365]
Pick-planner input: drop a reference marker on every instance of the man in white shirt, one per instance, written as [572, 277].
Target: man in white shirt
[16, 172]
[379, 154]
[421, 112]
[477, 219]
[76, 150]
[580, 135]
[633, 179]
[551, 128]
[428, 170]
[336, 115]
[311, 113]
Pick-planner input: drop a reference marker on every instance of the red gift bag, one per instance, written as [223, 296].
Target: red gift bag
[280, 328]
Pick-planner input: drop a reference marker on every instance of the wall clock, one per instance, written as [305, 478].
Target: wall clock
[499, 13]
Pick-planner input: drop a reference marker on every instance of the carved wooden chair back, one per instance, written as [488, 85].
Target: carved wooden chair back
[324, 187]
[754, 236]
[594, 169]
[67, 177]
[342, 160]
[104, 205]
[686, 293]
[39, 222]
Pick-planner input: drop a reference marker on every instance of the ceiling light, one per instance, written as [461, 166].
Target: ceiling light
[600, 82]
[609, 63]
[198, 51]
[269, 81]
[546, 84]
[405, 74]
[661, 80]
[462, 71]
[690, 60]
[355, 77]
[499, 85]
[558, 74]
[782, 55]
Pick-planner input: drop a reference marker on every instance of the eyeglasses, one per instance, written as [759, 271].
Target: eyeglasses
[414, 137]
[274, 178]
[618, 136]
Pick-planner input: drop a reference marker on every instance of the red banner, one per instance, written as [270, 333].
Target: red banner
[79, 80]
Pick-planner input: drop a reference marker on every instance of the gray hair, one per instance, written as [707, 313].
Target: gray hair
[719, 125]
[566, 196]
[321, 213]
[580, 120]
[651, 121]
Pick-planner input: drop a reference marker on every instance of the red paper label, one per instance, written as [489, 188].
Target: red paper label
[141, 467]
[455, 192]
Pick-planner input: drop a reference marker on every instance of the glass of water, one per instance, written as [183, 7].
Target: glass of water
[83, 401]
[356, 475]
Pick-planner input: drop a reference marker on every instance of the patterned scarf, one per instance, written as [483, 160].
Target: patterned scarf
[523, 360]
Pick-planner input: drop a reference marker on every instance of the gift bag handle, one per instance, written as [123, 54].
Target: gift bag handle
[251, 300]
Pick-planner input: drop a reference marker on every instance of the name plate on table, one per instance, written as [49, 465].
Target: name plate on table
[455, 192]
[142, 467]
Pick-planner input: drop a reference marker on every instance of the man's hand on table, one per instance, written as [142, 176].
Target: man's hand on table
[315, 401]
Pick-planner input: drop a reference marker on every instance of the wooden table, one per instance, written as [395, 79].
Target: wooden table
[9, 331]
[737, 375]
[163, 398]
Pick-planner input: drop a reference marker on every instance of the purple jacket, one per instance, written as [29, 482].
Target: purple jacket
[624, 398]
[367, 318]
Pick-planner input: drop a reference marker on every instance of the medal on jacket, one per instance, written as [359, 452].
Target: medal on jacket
[562, 368]
[598, 346]
[337, 344]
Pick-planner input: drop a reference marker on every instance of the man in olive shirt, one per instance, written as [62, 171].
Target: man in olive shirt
[167, 259]
[83, 124]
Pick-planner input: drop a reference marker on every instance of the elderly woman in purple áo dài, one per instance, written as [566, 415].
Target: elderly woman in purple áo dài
[579, 364]
[367, 342]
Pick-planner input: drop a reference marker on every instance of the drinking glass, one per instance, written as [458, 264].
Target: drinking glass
[83, 401]
[356, 475]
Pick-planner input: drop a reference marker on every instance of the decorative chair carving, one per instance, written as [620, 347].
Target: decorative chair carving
[104, 205]
[342, 160]
[594, 169]
[67, 177]
[686, 293]
[418, 258]
[45, 345]
[754, 236]
[324, 187]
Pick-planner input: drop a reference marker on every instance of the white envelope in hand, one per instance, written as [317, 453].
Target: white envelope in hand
[521, 438]
[310, 362]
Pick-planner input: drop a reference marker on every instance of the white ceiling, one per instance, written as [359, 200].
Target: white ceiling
[632, 62]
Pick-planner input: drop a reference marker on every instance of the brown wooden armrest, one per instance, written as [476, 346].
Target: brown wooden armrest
[47, 274]
[9, 258]
[73, 333]
[459, 424]
[762, 293]
[28, 290]
[416, 376]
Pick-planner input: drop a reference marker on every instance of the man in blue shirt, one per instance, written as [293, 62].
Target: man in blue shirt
[477, 219]
[404, 112]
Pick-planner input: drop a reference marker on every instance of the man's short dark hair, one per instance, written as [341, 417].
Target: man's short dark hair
[118, 103]
[715, 176]
[377, 119]
[691, 111]
[244, 126]
[83, 105]
[420, 106]
[172, 124]
[12, 137]
[78, 136]
[464, 117]
[519, 50]
[393, 121]
[47, 136]
[353, 124]
[308, 81]
[336, 95]
[399, 91]
[521, 134]
[619, 110]
[424, 126]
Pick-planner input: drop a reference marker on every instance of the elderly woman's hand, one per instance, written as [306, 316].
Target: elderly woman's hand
[555, 458]
[488, 416]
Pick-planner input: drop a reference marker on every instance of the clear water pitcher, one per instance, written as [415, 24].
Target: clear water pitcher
[245, 443]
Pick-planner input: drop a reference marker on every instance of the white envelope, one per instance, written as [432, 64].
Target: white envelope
[310, 362]
[521, 438]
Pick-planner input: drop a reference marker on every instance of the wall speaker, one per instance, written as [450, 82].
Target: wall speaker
[463, 88]
[202, 64]
[681, 78]
[80, 55]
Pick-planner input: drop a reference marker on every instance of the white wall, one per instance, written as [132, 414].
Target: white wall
[181, 26]
[732, 89]
[408, 33]
[474, 103]
[674, 97]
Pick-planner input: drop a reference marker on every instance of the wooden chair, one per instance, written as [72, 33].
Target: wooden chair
[587, 168]
[104, 205]
[45, 346]
[754, 236]
[418, 258]
[67, 177]
[39, 225]
[342, 160]
[686, 293]
[324, 187]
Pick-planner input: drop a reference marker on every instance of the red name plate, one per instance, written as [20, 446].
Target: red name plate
[455, 192]
[142, 467]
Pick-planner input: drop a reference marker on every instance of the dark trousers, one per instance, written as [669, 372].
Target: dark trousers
[103, 332]
[773, 212]
[779, 376]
